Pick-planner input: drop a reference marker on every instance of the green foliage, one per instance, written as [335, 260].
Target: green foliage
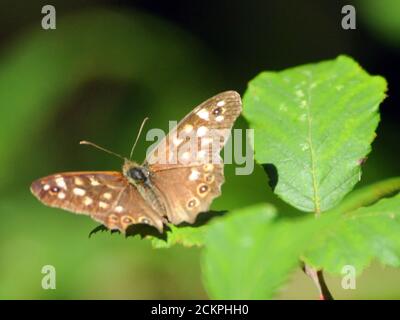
[250, 253]
[358, 237]
[45, 67]
[314, 124]
[370, 194]
[38, 76]
[187, 236]
[382, 17]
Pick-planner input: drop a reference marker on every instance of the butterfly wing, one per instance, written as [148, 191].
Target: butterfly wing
[189, 172]
[189, 190]
[107, 197]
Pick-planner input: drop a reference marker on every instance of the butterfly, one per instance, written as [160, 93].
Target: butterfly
[179, 178]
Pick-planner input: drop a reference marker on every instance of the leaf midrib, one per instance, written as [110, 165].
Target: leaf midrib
[312, 151]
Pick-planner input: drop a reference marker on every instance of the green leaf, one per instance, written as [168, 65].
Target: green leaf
[248, 254]
[356, 238]
[313, 126]
[370, 194]
[186, 236]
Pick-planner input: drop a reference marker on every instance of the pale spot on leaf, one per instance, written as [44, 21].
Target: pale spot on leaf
[304, 146]
[299, 93]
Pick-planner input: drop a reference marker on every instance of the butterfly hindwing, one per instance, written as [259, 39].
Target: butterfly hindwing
[185, 200]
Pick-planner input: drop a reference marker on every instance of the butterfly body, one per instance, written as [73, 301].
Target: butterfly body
[140, 178]
[173, 184]
[136, 174]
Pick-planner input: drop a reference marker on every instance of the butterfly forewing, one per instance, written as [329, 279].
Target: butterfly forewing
[105, 196]
[200, 136]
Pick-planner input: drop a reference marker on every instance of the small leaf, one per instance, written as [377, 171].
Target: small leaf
[356, 238]
[312, 125]
[249, 253]
[370, 194]
[187, 236]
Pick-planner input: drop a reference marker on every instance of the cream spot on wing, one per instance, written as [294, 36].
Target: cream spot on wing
[144, 220]
[119, 208]
[177, 141]
[61, 182]
[46, 187]
[202, 154]
[219, 118]
[185, 156]
[201, 132]
[203, 114]
[221, 103]
[206, 140]
[79, 192]
[202, 190]
[194, 175]
[107, 195]
[61, 195]
[87, 201]
[208, 167]
[188, 128]
[103, 205]
[94, 182]
[78, 181]
[126, 220]
[192, 203]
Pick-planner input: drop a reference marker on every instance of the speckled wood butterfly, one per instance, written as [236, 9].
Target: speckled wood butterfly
[174, 184]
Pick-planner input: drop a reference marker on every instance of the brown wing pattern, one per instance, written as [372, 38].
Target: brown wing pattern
[106, 196]
[187, 179]
[200, 136]
[190, 181]
[189, 190]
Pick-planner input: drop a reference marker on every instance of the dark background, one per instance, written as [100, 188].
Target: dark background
[111, 63]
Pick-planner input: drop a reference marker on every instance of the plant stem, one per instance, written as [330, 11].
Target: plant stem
[319, 281]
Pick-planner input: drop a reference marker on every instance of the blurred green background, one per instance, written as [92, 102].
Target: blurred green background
[108, 65]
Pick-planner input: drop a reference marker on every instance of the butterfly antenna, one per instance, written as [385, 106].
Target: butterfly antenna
[101, 148]
[137, 137]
